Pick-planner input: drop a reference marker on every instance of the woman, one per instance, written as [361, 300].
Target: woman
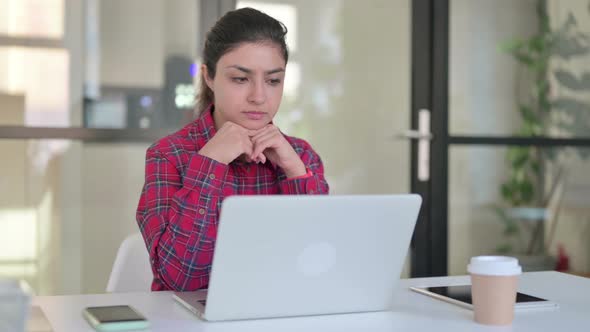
[232, 148]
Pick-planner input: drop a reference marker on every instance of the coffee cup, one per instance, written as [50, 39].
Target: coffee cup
[494, 281]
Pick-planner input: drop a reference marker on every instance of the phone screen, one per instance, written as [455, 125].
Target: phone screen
[112, 314]
[463, 294]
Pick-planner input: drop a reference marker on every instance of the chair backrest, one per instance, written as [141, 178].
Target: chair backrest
[131, 269]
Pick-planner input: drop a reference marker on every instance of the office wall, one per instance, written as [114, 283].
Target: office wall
[29, 209]
[131, 42]
[181, 27]
[112, 178]
[15, 218]
[137, 35]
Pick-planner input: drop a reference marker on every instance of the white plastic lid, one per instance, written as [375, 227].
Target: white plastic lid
[494, 266]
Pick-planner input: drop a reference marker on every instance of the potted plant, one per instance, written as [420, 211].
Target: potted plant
[534, 176]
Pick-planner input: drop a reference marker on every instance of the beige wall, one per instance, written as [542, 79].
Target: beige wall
[131, 42]
[181, 27]
[29, 206]
[112, 178]
[137, 35]
[15, 215]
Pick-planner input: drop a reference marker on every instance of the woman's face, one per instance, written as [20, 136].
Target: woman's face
[248, 85]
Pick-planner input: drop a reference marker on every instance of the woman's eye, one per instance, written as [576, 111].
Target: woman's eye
[239, 79]
[274, 81]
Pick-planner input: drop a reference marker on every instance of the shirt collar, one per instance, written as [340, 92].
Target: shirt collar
[206, 124]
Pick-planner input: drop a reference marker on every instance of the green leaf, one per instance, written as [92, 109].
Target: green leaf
[541, 8]
[511, 229]
[514, 198]
[506, 191]
[518, 156]
[526, 113]
[504, 248]
[527, 130]
[542, 88]
[526, 190]
[524, 59]
[540, 65]
[544, 105]
[500, 213]
[512, 46]
[537, 44]
[530, 129]
[536, 167]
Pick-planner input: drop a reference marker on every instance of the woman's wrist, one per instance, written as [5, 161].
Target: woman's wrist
[297, 170]
[211, 155]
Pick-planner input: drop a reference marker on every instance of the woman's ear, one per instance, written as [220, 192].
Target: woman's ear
[206, 76]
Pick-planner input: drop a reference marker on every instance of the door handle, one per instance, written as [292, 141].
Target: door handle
[414, 134]
[424, 136]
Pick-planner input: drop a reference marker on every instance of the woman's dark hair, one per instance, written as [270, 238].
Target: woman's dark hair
[246, 25]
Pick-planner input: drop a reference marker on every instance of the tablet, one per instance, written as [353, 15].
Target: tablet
[115, 318]
[461, 295]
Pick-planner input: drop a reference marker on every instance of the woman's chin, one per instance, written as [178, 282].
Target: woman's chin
[253, 125]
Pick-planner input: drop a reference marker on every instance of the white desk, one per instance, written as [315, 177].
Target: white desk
[411, 312]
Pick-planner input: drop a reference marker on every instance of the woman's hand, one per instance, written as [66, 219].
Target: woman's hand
[270, 144]
[230, 142]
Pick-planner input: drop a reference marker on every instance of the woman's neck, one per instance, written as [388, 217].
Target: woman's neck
[218, 119]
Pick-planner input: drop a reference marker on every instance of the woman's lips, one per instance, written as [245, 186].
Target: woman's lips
[255, 115]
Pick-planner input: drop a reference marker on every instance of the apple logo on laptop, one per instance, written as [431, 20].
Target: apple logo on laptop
[316, 259]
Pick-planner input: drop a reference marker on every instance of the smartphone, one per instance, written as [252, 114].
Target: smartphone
[461, 295]
[115, 318]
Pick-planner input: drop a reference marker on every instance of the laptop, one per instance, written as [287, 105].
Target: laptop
[284, 256]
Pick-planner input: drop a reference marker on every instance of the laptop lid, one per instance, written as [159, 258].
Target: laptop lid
[278, 256]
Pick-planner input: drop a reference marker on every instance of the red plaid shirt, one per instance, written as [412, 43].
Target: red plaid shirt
[179, 206]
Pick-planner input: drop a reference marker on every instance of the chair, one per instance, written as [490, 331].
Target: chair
[131, 269]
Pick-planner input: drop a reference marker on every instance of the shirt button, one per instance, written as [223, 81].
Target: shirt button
[212, 176]
[201, 211]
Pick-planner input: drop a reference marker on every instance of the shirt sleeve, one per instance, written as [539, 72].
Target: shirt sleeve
[313, 183]
[178, 215]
